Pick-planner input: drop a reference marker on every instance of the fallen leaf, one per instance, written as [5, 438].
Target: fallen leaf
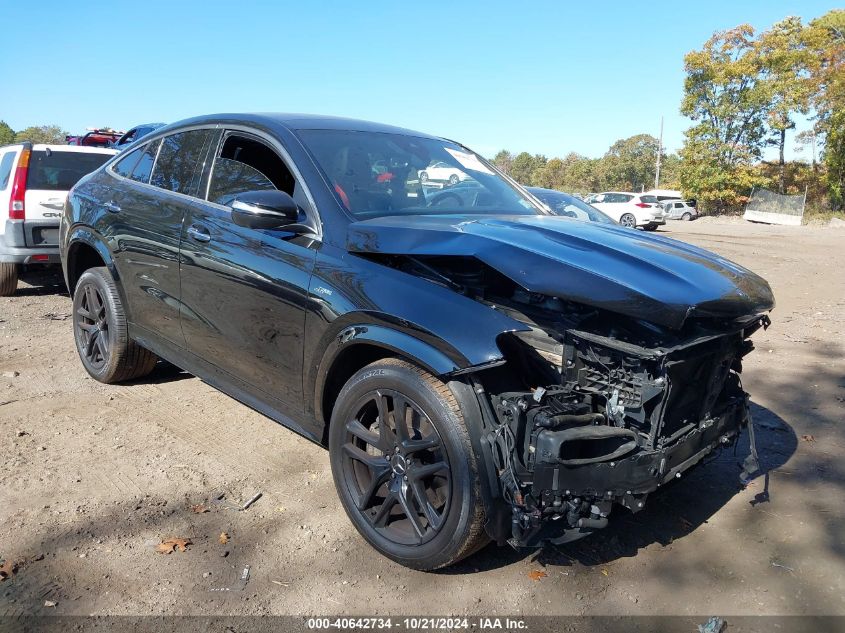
[223, 538]
[8, 569]
[604, 571]
[199, 509]
[536, 574]
[172, 544]
[808, 438]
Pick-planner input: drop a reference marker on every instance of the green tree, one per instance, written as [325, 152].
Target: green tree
[726, 97]
[524, 165]
[42, 134]
[7, 134]
[503, 160]
[630, 163]
[784, 62]
[824, 41]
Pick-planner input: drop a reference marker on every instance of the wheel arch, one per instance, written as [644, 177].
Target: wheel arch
[85, 250]
[355, 347]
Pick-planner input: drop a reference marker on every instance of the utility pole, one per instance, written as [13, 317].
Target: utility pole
[659, 152]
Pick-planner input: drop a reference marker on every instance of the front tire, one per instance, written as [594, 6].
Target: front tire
[8, 279]
[404, 468]
[453, 179]
[99, 329]
[424, 176]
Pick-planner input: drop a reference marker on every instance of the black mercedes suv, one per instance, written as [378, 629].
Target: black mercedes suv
[477, 367]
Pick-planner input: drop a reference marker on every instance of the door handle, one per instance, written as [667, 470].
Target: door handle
[199, 233]
[111, 207]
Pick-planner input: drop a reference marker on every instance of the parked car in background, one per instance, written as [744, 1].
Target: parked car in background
[679, 210]
[441, 171]
[569, 206]
[631, 209]
[663, 195]
[95, 137]
[477, 369]
[34, 181]
[135, 133]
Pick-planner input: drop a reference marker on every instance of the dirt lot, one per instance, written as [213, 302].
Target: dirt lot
[92, 477]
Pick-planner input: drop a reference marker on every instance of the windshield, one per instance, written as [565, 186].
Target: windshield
[375, 174]
[563, 204]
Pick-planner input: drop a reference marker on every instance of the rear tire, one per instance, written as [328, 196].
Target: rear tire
[8, 279]
[99, 328]
[686, 217]
[412, 491]
[628, 220]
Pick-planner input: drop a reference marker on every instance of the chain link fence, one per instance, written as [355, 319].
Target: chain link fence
[774, 208]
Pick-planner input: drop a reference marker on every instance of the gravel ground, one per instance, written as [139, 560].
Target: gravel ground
[93, 477]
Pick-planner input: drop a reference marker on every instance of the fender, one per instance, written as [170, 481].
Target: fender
[388, 338]
[82, 234]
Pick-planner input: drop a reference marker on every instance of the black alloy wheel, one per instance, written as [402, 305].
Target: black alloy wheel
[395, 464]
[404, 467]
[93, 326]
[100, 331]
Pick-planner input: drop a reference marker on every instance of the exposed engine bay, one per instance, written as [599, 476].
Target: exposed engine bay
[593, 408]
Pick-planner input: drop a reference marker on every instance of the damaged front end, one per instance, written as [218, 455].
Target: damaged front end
[608, 414]
[593, 408]
[621, 370]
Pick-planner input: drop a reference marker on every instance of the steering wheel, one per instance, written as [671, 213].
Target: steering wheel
[440, 198]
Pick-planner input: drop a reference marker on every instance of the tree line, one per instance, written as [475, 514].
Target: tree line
[743, 91]
[52, 134]
[628, 165]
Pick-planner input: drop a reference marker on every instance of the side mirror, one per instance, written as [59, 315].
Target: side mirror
[270, 209]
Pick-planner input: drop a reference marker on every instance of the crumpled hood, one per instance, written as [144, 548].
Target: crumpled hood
[614, 268]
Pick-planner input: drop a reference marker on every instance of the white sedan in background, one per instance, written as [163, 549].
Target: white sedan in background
[442, 172]
[631, 209]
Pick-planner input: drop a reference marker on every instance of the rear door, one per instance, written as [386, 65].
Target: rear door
[52, 172]
[161, 180]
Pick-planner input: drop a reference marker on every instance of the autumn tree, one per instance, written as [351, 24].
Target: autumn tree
[725, 96]
[784, 81]
[824, 40]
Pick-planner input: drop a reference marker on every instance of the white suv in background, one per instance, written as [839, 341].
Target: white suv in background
[631, 209]
[34, 181]
[679, 210]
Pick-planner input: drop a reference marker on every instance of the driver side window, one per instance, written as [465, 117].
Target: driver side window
[247, 164]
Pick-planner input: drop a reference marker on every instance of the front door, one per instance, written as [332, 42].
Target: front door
[244, 291]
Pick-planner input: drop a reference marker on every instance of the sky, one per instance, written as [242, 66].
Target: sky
[543, 77]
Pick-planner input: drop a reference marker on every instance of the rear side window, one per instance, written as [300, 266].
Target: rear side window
[178, 167]
[6, 169]
[124, 165]
[144, 167]
[60, 170]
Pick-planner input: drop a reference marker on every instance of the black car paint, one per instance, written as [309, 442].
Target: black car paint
[266, 315]
[642, 276]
